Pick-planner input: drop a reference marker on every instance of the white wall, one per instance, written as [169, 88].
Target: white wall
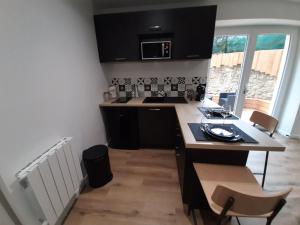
[237, 9]
[51, 83]
[4, 217]
[296, 126]
[290, 117]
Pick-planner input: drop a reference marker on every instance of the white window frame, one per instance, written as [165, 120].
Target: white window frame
[252, 32]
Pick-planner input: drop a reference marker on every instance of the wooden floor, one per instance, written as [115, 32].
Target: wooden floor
[145, 190]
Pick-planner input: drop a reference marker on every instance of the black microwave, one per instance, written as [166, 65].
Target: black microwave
[155, 50]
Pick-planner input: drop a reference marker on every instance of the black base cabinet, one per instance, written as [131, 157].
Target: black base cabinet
[191, 190]
[121, 127]
[134, 127]
[157, 127]
[147, 127]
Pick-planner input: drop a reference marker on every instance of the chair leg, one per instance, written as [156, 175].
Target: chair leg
[194, 217]
[265, 169]
[237, 219]
[189, 210]
[277, 209]
[226, 207]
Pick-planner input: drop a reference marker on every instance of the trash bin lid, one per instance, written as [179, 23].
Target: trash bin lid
[94, 152]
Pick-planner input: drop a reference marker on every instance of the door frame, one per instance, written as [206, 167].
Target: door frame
[251, 32]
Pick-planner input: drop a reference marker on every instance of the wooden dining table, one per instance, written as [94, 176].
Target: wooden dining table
[191, 114]
[212, 151]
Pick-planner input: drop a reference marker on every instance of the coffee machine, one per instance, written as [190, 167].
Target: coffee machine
[200, 92]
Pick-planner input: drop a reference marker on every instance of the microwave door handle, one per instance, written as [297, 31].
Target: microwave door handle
[162, 49]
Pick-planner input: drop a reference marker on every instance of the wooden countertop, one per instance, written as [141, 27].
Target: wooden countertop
[188, 113]
[137, 102]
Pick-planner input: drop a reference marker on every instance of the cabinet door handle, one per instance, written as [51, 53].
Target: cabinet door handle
[192, 56]
[155, 27]
[154, 109]
[121, 59]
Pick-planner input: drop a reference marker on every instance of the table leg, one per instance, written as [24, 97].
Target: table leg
[265, 169]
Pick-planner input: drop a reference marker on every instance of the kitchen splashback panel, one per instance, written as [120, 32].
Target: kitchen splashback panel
[157, 86]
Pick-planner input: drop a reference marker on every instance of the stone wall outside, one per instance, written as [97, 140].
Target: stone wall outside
[226, 79]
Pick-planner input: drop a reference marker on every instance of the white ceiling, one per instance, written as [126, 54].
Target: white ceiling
[100, 5]
[109, 4]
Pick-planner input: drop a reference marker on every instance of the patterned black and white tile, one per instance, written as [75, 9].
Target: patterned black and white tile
[158, 85]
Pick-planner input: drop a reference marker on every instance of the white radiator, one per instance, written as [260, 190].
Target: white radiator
[55, 178]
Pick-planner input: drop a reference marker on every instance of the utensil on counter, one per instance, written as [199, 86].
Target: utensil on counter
[226, 112]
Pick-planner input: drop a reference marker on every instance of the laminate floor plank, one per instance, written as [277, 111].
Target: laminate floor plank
[145, 190]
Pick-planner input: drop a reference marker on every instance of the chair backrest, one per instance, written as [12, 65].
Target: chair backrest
[266, 121]
[226, 94]
[251, 205]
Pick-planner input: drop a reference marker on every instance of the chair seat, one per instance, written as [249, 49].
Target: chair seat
[238, 178]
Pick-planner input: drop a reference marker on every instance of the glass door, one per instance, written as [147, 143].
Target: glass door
[250, 67]
[266, 73]
[226, 69]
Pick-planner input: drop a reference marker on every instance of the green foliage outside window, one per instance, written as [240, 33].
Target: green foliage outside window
[237, 43]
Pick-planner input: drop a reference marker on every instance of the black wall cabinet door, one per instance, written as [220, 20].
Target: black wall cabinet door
[155, 22]
[116, 37]
[194, 32]
[190, 29]
[157, 127]
[121, 127]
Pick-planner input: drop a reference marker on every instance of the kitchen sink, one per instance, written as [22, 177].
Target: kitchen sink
[164, 100]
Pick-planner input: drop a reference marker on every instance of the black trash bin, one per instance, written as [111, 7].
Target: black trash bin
[96, 162]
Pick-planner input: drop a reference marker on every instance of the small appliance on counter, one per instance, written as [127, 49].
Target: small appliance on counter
[200, 92]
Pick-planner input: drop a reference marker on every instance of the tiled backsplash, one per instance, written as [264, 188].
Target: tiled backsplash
[157, 86]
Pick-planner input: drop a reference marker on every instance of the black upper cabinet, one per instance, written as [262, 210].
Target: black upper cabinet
[116, 37]
[191, 31]
[194, 32]
[155, 22]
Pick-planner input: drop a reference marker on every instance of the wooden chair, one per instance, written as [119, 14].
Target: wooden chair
[268, 124]
[266, 121]
[234, 191]
[227, 99]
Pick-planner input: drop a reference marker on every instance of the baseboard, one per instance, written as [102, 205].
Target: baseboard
[283, 132]
[84, 183]
[296, 136]
[72, 202]
[66, 211]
